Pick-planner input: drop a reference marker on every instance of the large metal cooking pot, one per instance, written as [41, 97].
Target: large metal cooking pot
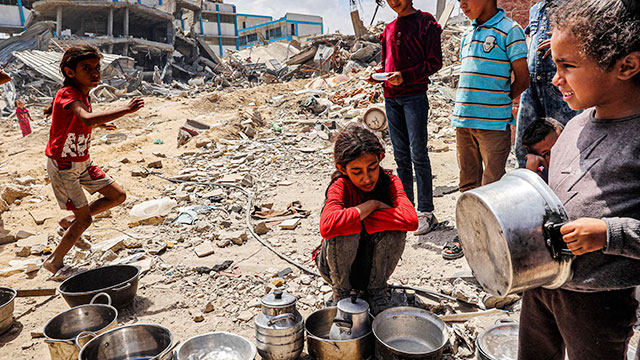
[499, 342]
[279, 327]
[216, 345]
[7, 301]
[409, 333]
[320, 347]
[119, 281]
[510, 232]
[61, 331]
[139, 342]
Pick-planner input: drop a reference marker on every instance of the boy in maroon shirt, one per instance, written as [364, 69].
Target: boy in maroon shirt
[411, 52]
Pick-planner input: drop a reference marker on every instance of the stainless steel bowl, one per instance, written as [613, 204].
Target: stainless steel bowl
[139, 341]
[409, 333]
[216, 345]
[7, 300]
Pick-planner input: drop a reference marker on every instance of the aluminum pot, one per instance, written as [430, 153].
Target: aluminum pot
[352, 319]
[409, 333]
[63, 331]
[499, 342]
[119, 281]
[510, 232]
[138, 341]
[216, 345]
[7, 303]
[320, 347]
[279, 327]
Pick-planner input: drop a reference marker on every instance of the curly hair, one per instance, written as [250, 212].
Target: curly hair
[606, 30]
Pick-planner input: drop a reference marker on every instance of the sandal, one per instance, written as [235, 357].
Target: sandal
[452, 250]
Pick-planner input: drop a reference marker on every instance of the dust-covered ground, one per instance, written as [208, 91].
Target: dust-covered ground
[290, 165]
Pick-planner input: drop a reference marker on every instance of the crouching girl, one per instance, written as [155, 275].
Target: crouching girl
[364, 221]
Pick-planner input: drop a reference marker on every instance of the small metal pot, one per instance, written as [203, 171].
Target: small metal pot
[279, 328]
[64, 331]
[409, 333]
[510, 232]
[352, 319]
[139, 341]
[216, 344]
[119, 281]
[499, 342]
[320, 347]
[7, 301]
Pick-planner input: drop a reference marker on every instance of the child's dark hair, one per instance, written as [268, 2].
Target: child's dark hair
[353, 142]
[606, 30]
[538, 130]
[72, 56]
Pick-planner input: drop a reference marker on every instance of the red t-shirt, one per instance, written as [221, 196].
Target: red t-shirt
[69, 137]
[22, 114]
[340, 217]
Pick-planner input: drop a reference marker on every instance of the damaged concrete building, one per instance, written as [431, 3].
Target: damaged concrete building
[152, 32]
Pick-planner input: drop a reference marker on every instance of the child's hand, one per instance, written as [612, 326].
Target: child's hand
[108, 126]
[585, 235]
[371, 81]
[545, 45]
[395, 79]
[135, 104]
[535, 161]
[382, 205]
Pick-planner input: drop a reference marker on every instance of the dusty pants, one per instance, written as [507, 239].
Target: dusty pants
[482, 156]
[344, 256]
[594, 325]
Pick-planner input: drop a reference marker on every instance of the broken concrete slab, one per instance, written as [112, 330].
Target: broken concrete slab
[204, 249]
[289, 224]
[113, 244]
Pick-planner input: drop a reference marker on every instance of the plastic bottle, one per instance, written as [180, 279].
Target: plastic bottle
[151, 208]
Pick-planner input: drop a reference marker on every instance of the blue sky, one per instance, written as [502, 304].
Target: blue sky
[335, 13]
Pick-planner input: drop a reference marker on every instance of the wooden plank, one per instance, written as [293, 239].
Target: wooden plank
[36, 292]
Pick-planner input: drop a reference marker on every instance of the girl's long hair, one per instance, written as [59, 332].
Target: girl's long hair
[353, 142]
[70, 59]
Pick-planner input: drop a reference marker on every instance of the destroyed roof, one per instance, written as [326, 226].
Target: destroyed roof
[47, 63]
[36, 36]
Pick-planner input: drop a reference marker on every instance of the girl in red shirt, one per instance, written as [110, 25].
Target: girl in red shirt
[364, 221]
[23, 117]
[69, 166]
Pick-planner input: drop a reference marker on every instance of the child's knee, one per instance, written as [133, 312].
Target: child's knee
[121, 196]
[84, 220]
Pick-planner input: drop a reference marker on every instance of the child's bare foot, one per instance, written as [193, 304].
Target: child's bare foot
[52, 266]
[66, 222]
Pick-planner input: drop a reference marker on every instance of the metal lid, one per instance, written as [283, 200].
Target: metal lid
[278, 299]
[353, 305]
[500, 342]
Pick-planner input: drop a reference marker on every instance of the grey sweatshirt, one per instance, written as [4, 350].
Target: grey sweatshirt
[595, 171]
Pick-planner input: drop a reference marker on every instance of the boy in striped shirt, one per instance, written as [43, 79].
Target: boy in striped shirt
[492, 50]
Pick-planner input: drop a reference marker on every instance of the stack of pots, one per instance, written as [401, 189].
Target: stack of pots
[279, 328]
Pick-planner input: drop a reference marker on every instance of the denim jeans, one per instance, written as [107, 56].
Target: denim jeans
[407, 117]
[542, 99]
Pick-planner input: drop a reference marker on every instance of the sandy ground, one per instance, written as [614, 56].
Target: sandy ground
[173, 302]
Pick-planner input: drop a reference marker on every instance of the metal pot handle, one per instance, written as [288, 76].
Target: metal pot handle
[96, 296]
[505, 321]
[342, 322]
[553, 239]
[123, 287]
[84, 334]
[327, 342]
[280, 318]
[163, 355]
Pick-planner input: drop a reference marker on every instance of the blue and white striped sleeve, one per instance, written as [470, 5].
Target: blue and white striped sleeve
[516, 44]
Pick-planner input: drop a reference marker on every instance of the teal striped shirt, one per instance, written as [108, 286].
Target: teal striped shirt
[487, 51]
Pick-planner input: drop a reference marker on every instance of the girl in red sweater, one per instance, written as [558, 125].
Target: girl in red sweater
[364, 221]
